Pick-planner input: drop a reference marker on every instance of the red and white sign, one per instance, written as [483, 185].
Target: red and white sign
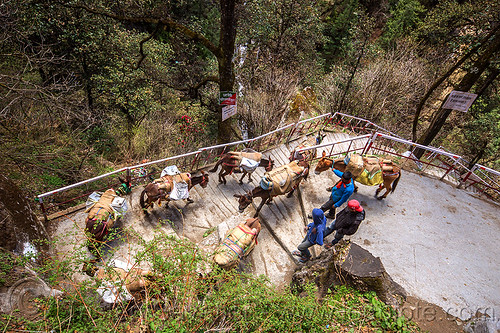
[227, 100]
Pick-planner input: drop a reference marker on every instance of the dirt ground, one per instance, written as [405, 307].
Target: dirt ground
[430, 317]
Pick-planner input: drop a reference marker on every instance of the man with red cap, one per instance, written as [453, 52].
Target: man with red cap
[346, 222]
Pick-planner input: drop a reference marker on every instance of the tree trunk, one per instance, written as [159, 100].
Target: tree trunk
[438, 82]
[227, 40]
[465, 85]
[478, 156]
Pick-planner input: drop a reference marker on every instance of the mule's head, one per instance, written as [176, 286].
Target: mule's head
[244, 200]
[254, 223]
[324, 164]
[204, 181]
[270, 165]
[320, 137]
[152, 190]
[305, 165]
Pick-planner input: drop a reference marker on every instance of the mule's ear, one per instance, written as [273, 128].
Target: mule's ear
[323, 154]
[237, 195]
[202, 172]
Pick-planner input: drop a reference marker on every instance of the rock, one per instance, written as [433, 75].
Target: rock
[20, 227]
[20, 287]
[352, 265]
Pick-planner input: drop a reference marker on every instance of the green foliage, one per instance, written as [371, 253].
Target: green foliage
[477, 139]
[405, 17]
[187, 293]
[451, 25]
[52, 181]
[99, 138]
[7, 263]
[285, 34]
[340, 30]
[209, 232]
[386, 317]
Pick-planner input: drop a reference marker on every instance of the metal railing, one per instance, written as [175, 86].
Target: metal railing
[374, 139]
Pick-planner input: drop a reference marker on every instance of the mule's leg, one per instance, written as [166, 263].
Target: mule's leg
[355, 187]
[250, 177]
[290, 194]
[264, 200]
[189, 200]
[387, 191]
[243, 176]
[223, 175]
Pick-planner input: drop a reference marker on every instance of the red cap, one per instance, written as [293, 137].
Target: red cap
[354, 204]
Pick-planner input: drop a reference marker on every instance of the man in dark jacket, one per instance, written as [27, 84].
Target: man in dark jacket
[346, 222]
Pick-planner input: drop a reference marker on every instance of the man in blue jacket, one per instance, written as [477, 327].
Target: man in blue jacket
[314, 235]
[341, 191]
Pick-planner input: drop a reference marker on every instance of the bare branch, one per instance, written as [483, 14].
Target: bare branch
[141, 44]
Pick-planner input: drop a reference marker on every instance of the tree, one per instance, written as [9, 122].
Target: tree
[404, 18]
[481, 134]
[276, 55]
[467, 82]
[157, 19]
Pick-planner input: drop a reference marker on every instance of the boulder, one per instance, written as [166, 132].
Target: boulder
[349, 264]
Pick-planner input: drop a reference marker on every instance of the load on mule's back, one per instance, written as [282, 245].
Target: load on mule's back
[307, 155]
[368, 170]
[284, 179]
[237, 244]
[104, 209]
[172, 185]
[245, 162]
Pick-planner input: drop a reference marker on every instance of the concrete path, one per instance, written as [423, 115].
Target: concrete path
[438, 242]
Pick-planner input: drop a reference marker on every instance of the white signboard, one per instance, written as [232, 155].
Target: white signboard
[228, 111]
[227, 100]
[459, 100]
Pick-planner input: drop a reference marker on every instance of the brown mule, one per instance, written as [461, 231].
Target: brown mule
[230, 163]
[246, 199]
[307, 155]
[391, 179]
[101, 217]
[237, 244]
[159, 192]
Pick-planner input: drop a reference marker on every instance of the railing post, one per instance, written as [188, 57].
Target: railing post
[450, 168]
[291, 133]
[369, 143]
[129, 176]
[42, 207]
[469, 173]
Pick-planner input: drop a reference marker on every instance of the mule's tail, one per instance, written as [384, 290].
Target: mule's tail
[219, 162]
[396, 182]
[142, 200]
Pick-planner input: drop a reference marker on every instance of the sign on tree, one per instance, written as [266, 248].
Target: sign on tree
[459, 100]
[227, 99]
